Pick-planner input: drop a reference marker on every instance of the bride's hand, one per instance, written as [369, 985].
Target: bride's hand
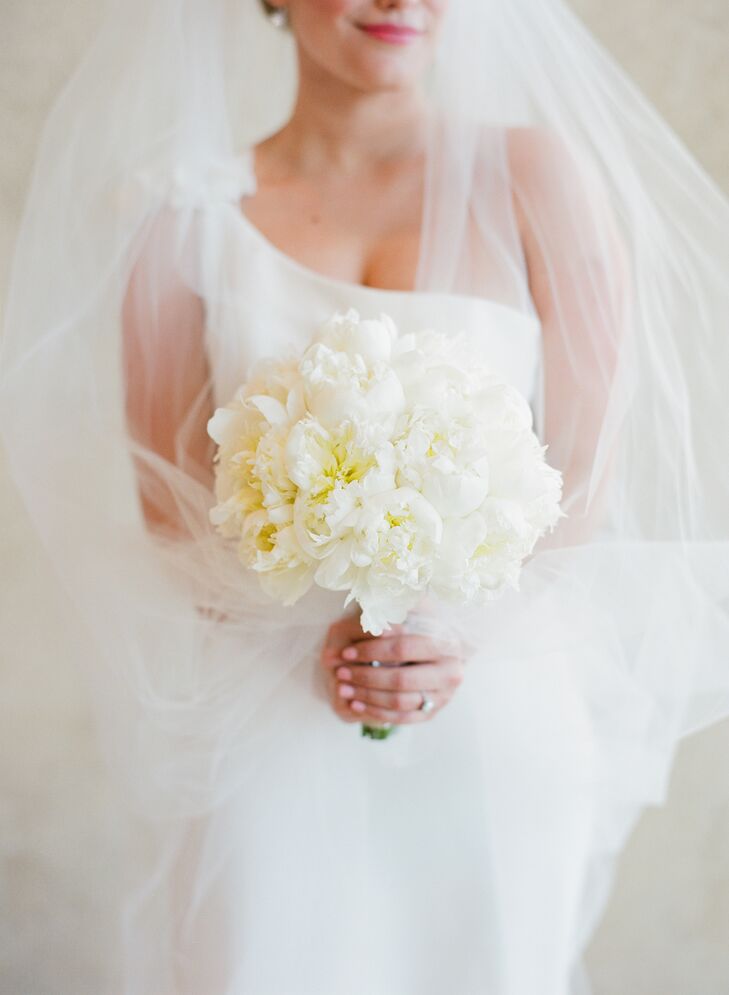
[359, 692]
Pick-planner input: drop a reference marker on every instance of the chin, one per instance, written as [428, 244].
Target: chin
[389, 82]
[387, 71]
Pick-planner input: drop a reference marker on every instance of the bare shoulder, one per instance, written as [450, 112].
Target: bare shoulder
[556, 187]
[546, 170]
[533, 150]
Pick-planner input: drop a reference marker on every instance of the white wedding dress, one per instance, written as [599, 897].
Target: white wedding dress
[469, 855]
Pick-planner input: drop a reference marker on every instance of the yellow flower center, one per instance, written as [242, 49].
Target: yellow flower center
[346, 465]
[266, 538]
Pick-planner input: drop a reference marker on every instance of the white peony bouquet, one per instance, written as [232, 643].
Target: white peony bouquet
[383, 465]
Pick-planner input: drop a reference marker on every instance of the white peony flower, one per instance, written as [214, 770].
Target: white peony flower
[371, 341]
[444, 457]
[338, 386]
[338, 474]
[318, 459]
[274, 552]
[482, 554]
[393, 546]
[237, 430]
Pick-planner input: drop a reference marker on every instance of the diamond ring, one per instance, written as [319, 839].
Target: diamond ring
[427, 704]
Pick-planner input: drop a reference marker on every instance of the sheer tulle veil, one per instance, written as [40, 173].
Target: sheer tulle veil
[140, 158]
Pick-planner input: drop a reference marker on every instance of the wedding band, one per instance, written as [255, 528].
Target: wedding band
[427, 704]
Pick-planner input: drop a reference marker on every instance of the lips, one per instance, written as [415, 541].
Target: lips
[393, 34]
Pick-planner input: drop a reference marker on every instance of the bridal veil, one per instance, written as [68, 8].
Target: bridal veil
[140, 160]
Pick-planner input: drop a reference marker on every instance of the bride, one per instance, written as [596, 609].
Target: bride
[219, 178]
[339, 188]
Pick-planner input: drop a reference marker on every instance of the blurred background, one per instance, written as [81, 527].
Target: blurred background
[63, 831]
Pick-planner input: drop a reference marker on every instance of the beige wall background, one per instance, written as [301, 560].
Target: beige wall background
[63, 833]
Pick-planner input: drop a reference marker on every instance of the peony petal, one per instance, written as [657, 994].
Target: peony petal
[272, 410]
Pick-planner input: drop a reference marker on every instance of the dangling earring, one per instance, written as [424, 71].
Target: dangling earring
[279, 17]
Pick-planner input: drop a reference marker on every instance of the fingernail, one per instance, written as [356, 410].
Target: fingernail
[344, 673]
[346, 691]
[358, 706]
[349, 654]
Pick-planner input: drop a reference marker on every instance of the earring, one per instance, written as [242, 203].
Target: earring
[279, 17]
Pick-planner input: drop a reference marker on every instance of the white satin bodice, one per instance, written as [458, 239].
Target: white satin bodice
[264, 303]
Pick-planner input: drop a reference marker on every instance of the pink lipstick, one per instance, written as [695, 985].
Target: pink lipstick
[394, 34]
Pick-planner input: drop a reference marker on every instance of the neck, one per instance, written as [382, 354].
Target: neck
[335, 127]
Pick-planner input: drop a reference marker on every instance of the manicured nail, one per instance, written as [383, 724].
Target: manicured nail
[349, 654]
[358, 706]
[346, 691]
[344, 673]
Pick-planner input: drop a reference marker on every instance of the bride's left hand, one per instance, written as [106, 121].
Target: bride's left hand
[391, 692]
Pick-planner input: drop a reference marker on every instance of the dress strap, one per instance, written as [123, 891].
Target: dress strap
[199, 183]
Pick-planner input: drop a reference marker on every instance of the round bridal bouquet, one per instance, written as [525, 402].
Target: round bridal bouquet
[383, 465]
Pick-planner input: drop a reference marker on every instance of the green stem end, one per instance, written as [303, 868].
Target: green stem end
[378, 732]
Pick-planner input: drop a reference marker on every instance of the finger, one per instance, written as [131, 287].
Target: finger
[396, 701]
[433, 676]
[338, 703]
[396, 649]
[374, 713]
[340, 634]
[344, 633]
[344, 630]
[345, 713]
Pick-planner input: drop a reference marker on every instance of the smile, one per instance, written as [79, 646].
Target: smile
[393, 34]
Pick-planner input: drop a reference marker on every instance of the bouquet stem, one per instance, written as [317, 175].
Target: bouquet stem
[378, 732]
